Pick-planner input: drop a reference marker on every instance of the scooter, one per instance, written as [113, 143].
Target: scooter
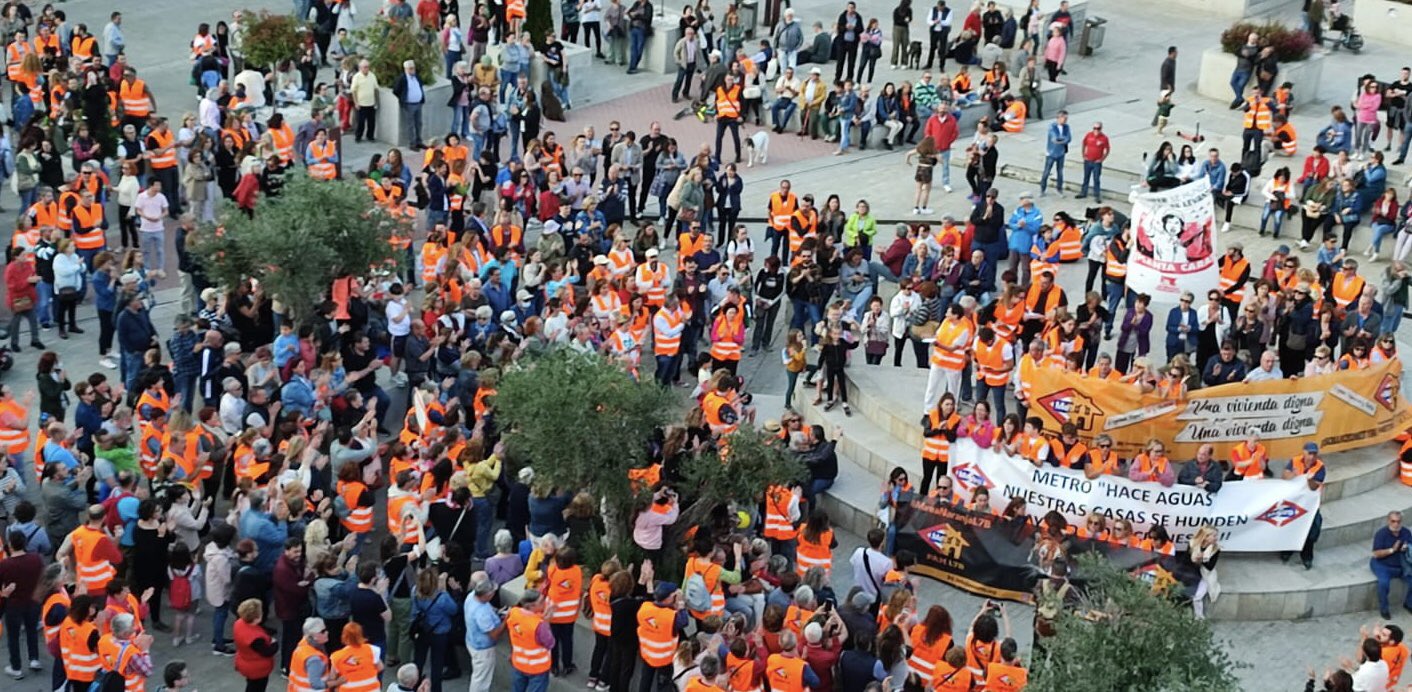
[1342, 33]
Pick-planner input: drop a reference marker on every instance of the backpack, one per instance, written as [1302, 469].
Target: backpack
[112, 519]
[180, 588]
[110, 680]
[697, 596]
[1251, 163]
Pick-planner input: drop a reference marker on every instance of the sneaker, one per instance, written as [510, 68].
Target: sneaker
[16, 674]
[1303, 244]
[926, 210]
[47, 327]
[946, 187]
[1225, 227]
[75, 330]
[602, 687]
[34, 664]
[108, 362]
[178, 642]
[592, 684]
[916, 211]
[222, 650]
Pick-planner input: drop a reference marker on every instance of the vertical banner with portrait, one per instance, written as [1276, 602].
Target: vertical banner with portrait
[1174, 242]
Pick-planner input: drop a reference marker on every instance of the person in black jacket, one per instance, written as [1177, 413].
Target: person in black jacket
[822, 462]
[411, 96]
[988, 218]
[626, 598]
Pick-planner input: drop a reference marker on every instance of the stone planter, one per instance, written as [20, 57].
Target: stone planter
[580, 58]
[436, 115]
[657, 50]
[1214, 80]
[1384, 20]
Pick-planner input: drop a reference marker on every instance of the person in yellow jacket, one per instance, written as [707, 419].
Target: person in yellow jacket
[481, 476]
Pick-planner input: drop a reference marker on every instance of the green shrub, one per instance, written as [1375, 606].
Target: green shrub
[388, 44]
[271, 38]
[1291, 45]
[539, 20]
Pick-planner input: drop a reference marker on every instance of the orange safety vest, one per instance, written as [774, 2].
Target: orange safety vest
[1347, 291]
[710, 574]
[1060, 346]
[1034, 448]
[1070, 242]
[283, 139]
[1026, 375]
[979, 655]
[15, 441]
[432, 257]
[1114, 269]
[80, 663]
[164, 141]
[1231, 273]
[600, 604]
[666, 321]
[83, 46]
[14, 57]
[115, 657]
[395, 507]
[52, 41]
[656, 280]
[728, 102]
[1148, 466]
[565, 588]
[149, 449]
[784, 674]
[1007, 321]
[728, 337]
[740, 674]
[803, 224]
[1051, 298]
[129, 606]
[778, 527]
[687, 246]
[950, 679]
[359, 519]
[782, 210]
[814, 554]
[1003, 677]
[1068, 456]
[1103, 463]
[952, 332]
[60, 597]
[44, 215]
[298, 668]
[1015, 116]
[357, 665]
[87, 225]
[323, 167]
[1257, 114]
[1290, 143]
[188, 457]
[714, 404]
[925, 656]
[657, 640]
[1241, 455]
[134, 97]
[939, 448]
[991, 364]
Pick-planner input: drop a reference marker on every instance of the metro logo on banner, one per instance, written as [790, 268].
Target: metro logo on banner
[970, 476]
[1387, 392]
[1071, 406]
[1282, 514]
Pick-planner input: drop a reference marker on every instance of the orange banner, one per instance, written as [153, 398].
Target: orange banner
[1339, 412]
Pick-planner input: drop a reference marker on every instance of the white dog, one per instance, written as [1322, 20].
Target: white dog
[758, 148]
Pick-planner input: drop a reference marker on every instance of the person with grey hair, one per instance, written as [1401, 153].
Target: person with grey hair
[787, 666]
[310, 663]
[888, 264]
[530, 643]
[123, 650]
[506, 564]
[483, 629]
[408, 675]
[411, 96]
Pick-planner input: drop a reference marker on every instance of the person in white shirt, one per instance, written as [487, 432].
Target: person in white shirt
[399, 326]
[903, 306]
[1371, 673]
[150, 207]
[870, 563]
[1269, 369]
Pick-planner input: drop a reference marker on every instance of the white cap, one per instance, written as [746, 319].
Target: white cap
[652, 252]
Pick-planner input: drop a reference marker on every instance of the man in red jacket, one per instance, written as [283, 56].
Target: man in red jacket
[941, 127]
[889, 263]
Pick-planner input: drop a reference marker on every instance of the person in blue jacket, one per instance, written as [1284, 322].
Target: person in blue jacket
[1338, 134]
[1183, 329]
[1024, 225]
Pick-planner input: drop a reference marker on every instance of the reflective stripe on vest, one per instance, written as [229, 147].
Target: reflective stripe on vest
[134, 97]
[526, 654]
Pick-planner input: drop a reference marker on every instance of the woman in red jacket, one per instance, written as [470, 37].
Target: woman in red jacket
[255, 647]
[21, 296]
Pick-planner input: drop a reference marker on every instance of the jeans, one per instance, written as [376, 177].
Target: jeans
[945, 165]
[667, 368]
[44, 307]
[654, 679]
[484, 513]
[26, 616]
[1239, 79]
[1363, 138]
[27, 197]
[637, 39]
[452, 57]
[563, 651]
[1114, 291]
[1056, 162]
[1265, 215]
[1392, 317]
[1382, 230]
[519, 682]
[845, 130]
[805, 314]
[131, 365]
[1401, 150]
[791, 378]
[461, 125]
[816, 486]
[782, 112]
[764, 327]
[1092, 169]
[561, 91]
[154, 249]
[997, 395]
[1382, 572]
[218, 625]
[722, 125]
[412, 123]
[186, 389]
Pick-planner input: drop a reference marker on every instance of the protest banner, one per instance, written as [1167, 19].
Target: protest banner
[1258, 515]
[995, 557]
[1342, 411]
[1174, 241]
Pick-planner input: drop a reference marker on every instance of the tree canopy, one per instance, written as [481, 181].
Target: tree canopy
[1125, 635]
[270, 38]
[298, 242]
[390, 43]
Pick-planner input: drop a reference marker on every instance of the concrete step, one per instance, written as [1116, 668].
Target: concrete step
[1258, 587]
[897, 414]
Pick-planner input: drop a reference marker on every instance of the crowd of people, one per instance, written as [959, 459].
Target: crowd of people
[237, 464]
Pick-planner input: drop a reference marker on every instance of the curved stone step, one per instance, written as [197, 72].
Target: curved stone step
[1258, 587]
[897, 414]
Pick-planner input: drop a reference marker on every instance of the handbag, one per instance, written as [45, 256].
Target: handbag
[435, 547]
[67, 293]
[22, 304]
